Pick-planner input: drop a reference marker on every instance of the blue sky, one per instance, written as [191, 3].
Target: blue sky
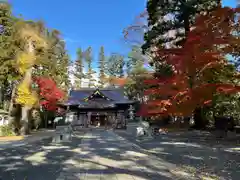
[86, 23]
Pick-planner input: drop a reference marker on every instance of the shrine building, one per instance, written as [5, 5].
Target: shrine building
[101, 106]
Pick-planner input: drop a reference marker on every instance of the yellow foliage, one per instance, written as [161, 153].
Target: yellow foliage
[30, 34]
[25, 61]
[25, 96]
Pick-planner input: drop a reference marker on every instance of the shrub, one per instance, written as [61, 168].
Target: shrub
[6, 130]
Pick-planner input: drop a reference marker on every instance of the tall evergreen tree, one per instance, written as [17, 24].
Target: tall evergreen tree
[54, 61]
[115, 67]
[170, 21]
[134, 57]
[136, 73]
[102, 69]
[121, 66]
[78, 70]
[90, 71]
[10, 45]
[63, 72]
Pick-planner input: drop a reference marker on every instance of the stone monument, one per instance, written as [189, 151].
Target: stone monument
[63, 134]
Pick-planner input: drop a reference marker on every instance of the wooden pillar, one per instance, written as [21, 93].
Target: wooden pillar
[123, 119]
[78, 117]
[88, 118]
[84, 119]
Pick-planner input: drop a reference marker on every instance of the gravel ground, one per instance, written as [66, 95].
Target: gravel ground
[191, 154]
[41, 160]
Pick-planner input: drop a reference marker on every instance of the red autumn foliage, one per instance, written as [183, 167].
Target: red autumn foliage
[203, 51]
[119, 81]
[49, 92]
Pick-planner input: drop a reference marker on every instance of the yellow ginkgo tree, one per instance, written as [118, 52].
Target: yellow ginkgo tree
[26, 60]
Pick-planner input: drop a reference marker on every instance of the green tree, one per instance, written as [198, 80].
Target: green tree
[10, 45]
[136, 73]
[54, 61]
[62, 66]
[223, 105]
[115, 67]
[63, 72]
[170, 21]
[135, 57]
[90, 72]
[78, 69]
[102, 68]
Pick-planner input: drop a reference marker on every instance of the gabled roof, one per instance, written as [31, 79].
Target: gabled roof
[115, 95]
[98, 94]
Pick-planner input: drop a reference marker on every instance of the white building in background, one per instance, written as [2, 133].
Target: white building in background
[3, 120]
[85, 82]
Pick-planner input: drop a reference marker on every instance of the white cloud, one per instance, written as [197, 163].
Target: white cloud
[70, 40]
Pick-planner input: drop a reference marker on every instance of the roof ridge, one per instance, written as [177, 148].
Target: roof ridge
[94, 89]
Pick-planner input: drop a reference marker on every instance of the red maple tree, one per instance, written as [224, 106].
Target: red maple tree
[203, 52]
[49, 92]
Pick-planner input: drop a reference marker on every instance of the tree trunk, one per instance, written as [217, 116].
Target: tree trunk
[25, 120]
[13, 118]
[10, 109]
[1, 96]
[25, 108]
[200, 121]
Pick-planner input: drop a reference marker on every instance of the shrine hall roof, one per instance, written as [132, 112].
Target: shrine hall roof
[115, 95]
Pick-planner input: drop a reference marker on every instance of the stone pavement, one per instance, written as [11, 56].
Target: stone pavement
[104, 155]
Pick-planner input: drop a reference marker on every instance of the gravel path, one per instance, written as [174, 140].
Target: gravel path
[106, 156]
[193, 156]
[102, 154]
[41, 160]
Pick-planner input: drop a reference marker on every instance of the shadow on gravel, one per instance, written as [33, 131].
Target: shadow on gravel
[44, 160]
[195, 155]
[110, 157]
[39, 160]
